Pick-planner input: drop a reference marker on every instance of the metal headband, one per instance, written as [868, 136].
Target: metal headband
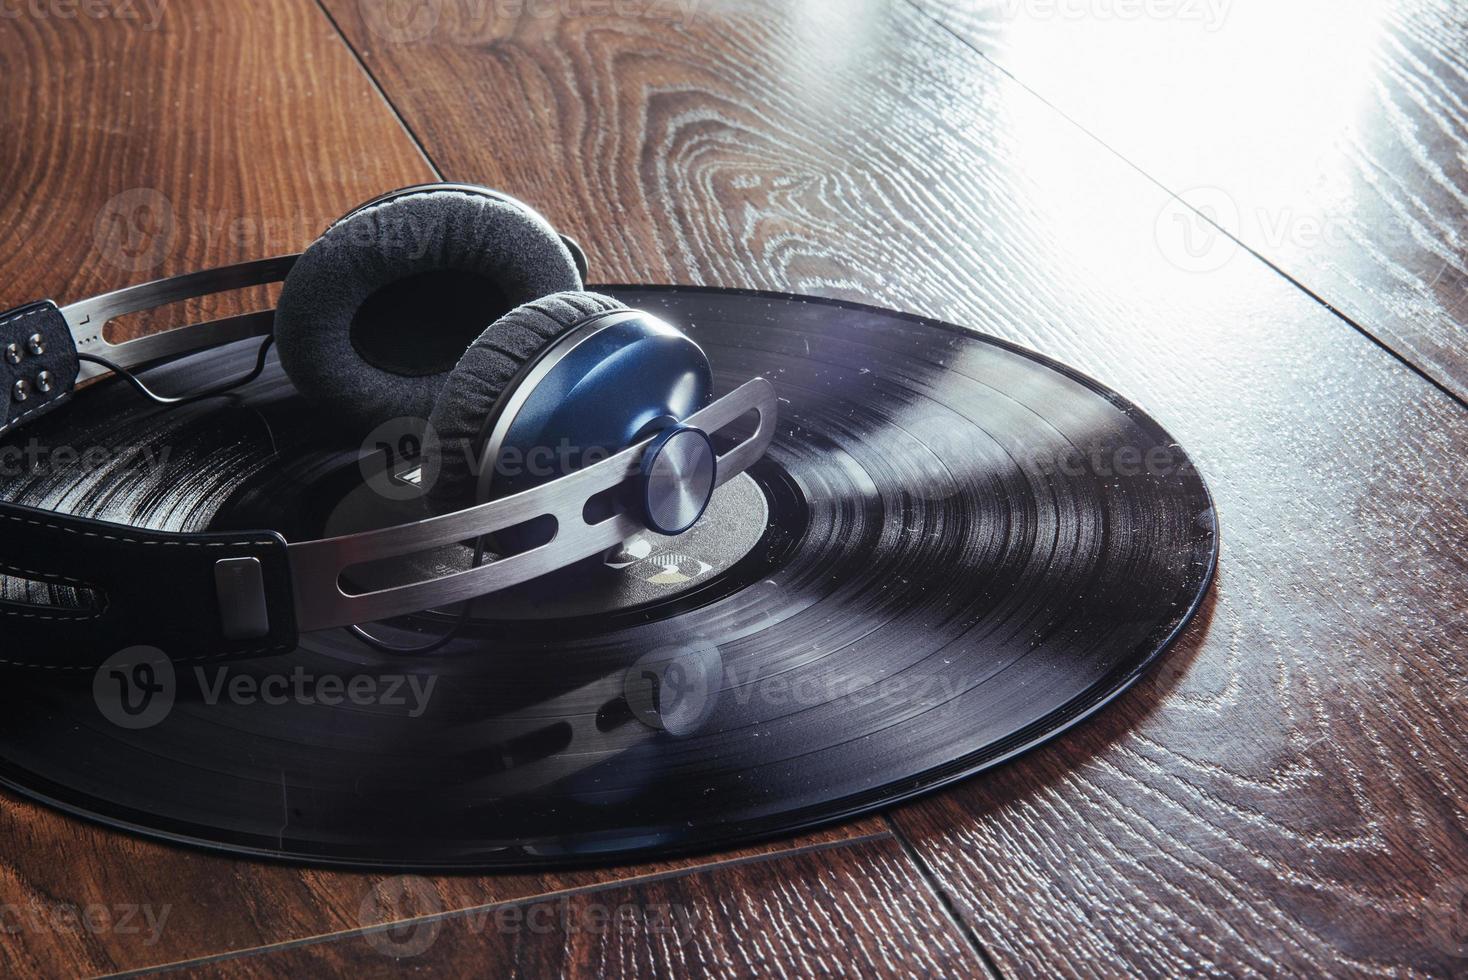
[260, 590]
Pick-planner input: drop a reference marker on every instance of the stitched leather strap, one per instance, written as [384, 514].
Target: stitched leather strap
[193, 596]
[38, 363]
[152, 588]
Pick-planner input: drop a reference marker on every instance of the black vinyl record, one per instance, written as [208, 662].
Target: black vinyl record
[953, 550]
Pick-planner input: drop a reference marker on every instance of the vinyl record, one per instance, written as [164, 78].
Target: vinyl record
[953, 550]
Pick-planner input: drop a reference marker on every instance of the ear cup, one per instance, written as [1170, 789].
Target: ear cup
[482, 376]
[376, 313]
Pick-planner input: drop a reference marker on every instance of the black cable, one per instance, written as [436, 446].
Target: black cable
[156, 398]
[443, 640]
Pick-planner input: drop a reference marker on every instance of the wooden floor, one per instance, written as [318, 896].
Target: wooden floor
[1285, 795]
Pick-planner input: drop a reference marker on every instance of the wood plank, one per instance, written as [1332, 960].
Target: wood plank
[1330, 136]
[1287, 794]
[254, 127]
[79, 899]
[855, 910]
[196, 135]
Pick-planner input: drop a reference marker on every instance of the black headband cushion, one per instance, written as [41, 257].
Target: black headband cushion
[375, 314]
[450, 448]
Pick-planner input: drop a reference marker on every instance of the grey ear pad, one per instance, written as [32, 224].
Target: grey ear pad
[515, 255]
[451, 447]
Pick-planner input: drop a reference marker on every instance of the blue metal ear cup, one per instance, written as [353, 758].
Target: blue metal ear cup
[608, 378]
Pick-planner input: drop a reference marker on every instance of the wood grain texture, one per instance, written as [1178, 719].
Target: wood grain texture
[77, 899]
[190, 135]
[855, 910]
[1330, 136]
[1285, 795]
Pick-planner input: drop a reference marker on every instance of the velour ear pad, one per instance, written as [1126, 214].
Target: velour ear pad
[451, 445]
[376, 313]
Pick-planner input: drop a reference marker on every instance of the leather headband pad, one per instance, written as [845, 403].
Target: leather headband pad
[36, 353]
[157, 588]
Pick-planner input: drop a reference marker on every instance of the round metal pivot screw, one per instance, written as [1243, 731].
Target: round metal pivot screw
[22, 390]
[44, 381]
[35, 344]
[12, 353]
[678, 476]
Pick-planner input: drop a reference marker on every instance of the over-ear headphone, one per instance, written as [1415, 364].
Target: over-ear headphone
[454, 304]
[450, 304]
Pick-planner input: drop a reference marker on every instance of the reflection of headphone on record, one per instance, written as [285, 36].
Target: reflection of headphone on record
[383, 318]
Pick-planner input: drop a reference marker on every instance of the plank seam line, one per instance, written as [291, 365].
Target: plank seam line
[942, 895]
[381, 92]
[491, 907]
[1339, 314]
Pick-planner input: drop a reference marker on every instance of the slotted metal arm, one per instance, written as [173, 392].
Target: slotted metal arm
[87, 317]
[317, 566]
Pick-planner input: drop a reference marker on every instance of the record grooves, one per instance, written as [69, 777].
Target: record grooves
[965, 549]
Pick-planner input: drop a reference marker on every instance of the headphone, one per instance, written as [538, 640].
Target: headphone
[380, 320]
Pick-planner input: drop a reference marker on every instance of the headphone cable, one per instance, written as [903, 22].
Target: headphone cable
[158, 399]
